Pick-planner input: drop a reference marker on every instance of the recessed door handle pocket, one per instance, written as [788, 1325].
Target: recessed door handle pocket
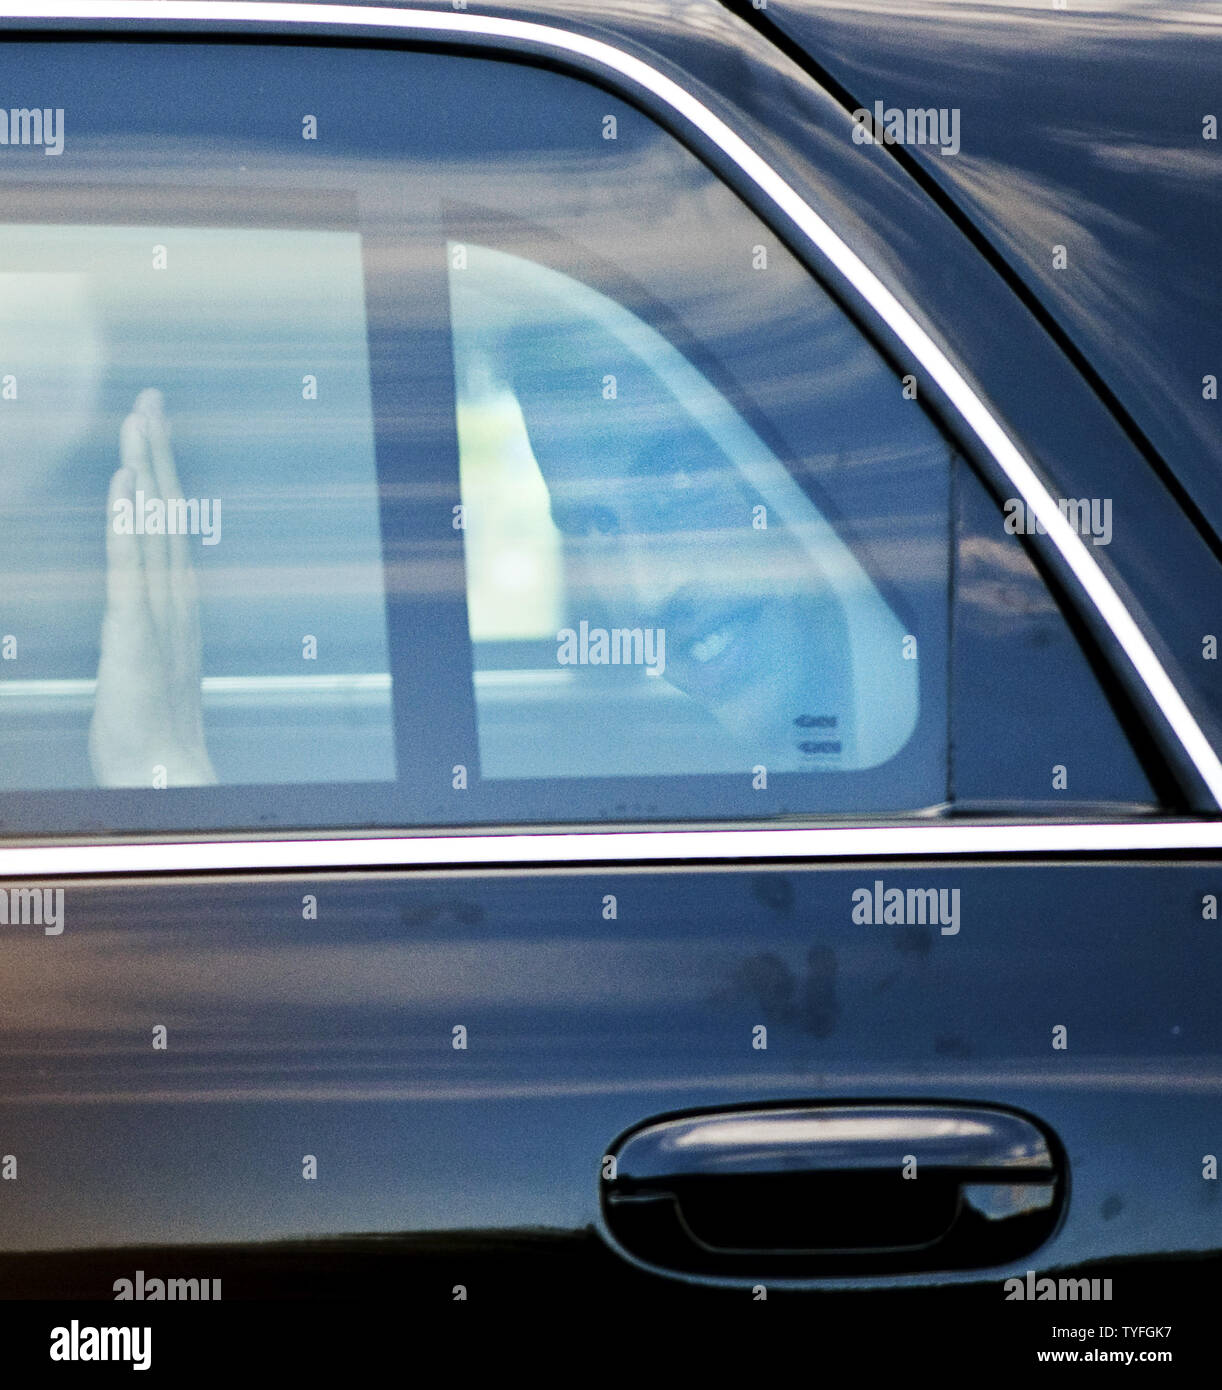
[849, 1189]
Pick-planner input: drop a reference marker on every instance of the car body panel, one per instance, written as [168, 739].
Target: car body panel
[332, 1034]
[289, 1035]
[1101, 148]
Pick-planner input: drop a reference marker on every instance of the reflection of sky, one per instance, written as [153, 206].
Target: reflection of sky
[332, 1037]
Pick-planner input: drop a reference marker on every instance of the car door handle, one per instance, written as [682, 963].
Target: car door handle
[852, 1189]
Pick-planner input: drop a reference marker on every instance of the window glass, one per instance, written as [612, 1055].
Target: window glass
[166, 405]
[659, 596]
[1018, 666]
[478, 458]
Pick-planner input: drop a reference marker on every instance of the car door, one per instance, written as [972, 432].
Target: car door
[691, 813]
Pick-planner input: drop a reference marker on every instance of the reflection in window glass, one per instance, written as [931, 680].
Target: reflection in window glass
[650, 591]
[176, 479]
[653, 533]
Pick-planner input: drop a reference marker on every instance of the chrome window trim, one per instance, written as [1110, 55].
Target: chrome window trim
[611, 847]
[533, 848]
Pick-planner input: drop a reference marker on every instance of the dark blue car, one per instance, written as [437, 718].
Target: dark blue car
[609, 683]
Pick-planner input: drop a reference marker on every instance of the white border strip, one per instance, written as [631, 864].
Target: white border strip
[604, 847]
[974, 412]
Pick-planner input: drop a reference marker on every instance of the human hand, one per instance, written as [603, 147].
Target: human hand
[147, 727]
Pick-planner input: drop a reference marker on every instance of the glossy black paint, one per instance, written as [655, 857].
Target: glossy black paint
[1100, 147]
[333, 1037]
[794, 1191]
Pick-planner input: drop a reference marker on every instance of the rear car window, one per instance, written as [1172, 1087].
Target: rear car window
[441, 461]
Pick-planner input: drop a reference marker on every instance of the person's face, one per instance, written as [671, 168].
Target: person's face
[665, 534]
